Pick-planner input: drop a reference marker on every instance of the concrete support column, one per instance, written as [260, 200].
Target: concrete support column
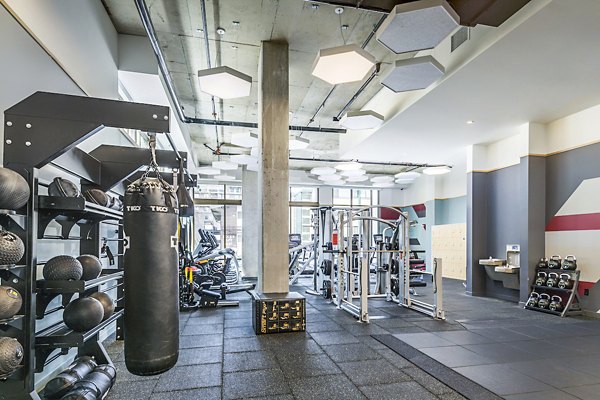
[251, 228]
[273, 106]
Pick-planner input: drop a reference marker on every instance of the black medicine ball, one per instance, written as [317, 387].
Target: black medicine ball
[10, 302]
[11, 248]
[63, 268]
[92, 267]
[97, 196]
[11, 355]
[61, 187]
[14, 190]
[107, 302]
[83, 314]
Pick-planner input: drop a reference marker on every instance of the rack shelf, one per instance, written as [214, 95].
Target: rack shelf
[9, 320]
[557, 270]
[61, 337]
[48, 290]
[554, 288]
[544, 310]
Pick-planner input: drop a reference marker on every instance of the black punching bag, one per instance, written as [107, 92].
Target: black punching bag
[186, 203]
[151, 277]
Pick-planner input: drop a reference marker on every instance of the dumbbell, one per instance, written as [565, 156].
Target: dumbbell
[544, 300]
[552, 280]
[569, 263]
[554, 262]
[533, 299]
[556, 304]
[541, 278]
[565, 281]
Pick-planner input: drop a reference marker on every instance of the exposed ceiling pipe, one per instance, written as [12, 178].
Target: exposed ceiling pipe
[162, 66]
[358, 92]
[391, 164]
[358, 6]
[208, 63]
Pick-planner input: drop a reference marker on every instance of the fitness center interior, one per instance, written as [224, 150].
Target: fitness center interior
[298, 199]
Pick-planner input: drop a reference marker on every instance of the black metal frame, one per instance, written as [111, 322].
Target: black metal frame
[45, 128]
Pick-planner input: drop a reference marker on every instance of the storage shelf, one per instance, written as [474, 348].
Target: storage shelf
[9, 320]
[76, 206]
[554, 288]
[557, 270]
[544, 310]
[61, 337]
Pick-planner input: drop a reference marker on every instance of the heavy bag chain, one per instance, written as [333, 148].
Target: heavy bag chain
[153, 164]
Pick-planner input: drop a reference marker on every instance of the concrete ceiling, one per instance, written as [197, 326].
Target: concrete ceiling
[306, 29]
[544, 69]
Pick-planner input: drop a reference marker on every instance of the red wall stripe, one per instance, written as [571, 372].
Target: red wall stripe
[578, 222]
[584, 285]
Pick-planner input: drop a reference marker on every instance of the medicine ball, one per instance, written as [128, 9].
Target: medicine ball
[97, 196]
[61, 187]
[63, 268]
[14, 190]
[92, 267]
[11, 248]
[107, 303]
[83, 314]
[10, 302]
[11, 355]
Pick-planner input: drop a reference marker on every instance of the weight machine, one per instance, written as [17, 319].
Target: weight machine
[302, 256]
[345, 266]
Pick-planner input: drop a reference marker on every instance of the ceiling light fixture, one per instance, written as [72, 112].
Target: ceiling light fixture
[366, 119]
[224, 82]
[413, 74]
[360, 178]
[470, 122]
[224, 177]
[224, 165]
[404, 181]
[347, 166]
[436, 170]
[382, 178]
[407, 175]
[298, 143]
[243, 159]
[323, 171]
[221, 31]
[244, 139]
[343, 64]
[417, 25]
[208, 171]
[383, 184]
[353, 172]
[328, 178]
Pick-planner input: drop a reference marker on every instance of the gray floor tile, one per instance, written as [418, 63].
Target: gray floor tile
[554, 374]
[189, 377]
[234, 323]
[308, 365]
[406, 329]
[438, 326]
[463, 337]
[455, 356]
[239, 332]
[372, 372]
[322, 326]
[203, 329]
[200, 355]
[546, 348]
[202, 320]
[126, 376]
[392, 323]
[502, 380]
[396, 359]
[502, 353]
[554, 394]
[397, 391]
[189, 342]
[253, 360]
[427, 381]
[124, 389]
[351, 352]
[422, 340]
[247, 384]
[243, 344]
[210, 393]
[591, 392]
[500, 334]
[334, 387]
[328, 338]
[359, 329]
[372, 343]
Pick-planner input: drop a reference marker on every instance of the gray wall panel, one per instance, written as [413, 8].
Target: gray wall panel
[476, 232]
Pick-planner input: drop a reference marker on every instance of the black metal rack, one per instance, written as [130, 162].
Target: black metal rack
[45, 128]
[573, 303]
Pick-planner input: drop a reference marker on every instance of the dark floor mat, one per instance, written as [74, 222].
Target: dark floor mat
[453, 379]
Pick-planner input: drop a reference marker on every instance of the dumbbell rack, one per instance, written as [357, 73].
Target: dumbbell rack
[42, 129]
[572, 306]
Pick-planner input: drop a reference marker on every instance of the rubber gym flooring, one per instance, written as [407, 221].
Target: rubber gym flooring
[515, 353]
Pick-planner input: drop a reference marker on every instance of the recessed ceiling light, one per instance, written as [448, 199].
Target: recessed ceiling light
[413, 74]
[221, 31]
[235, 23]
[208, 171]
[243, 159]
[199, 30]
[224, 165]
[344, 64]
[407, 175]
[366, 119]
[233, 46]
[323, 171]
[383, 184]
[298, 143]
[360, 178]
[382, 178]
[347, 166]
[224, 177]
[224, 82]
[353, 172]
[417, 25]
[470, 122]
[326, 178]
[436, 170]
[244, 139]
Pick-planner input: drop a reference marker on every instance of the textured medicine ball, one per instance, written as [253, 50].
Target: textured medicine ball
[107, 303]
[11, 248]
[58, 386]
[92, 267]
[10, 302]
[63, 268]
[61, 187]
[97, 196]
[11, 355]
[14, 190]
[83, 314]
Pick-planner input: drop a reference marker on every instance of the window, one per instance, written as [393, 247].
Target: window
[233, 192]
[233, 228]
[303, 194]
[342, 197]
[210, 192]
[219, 211]
[210, 219]
[301, 222]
